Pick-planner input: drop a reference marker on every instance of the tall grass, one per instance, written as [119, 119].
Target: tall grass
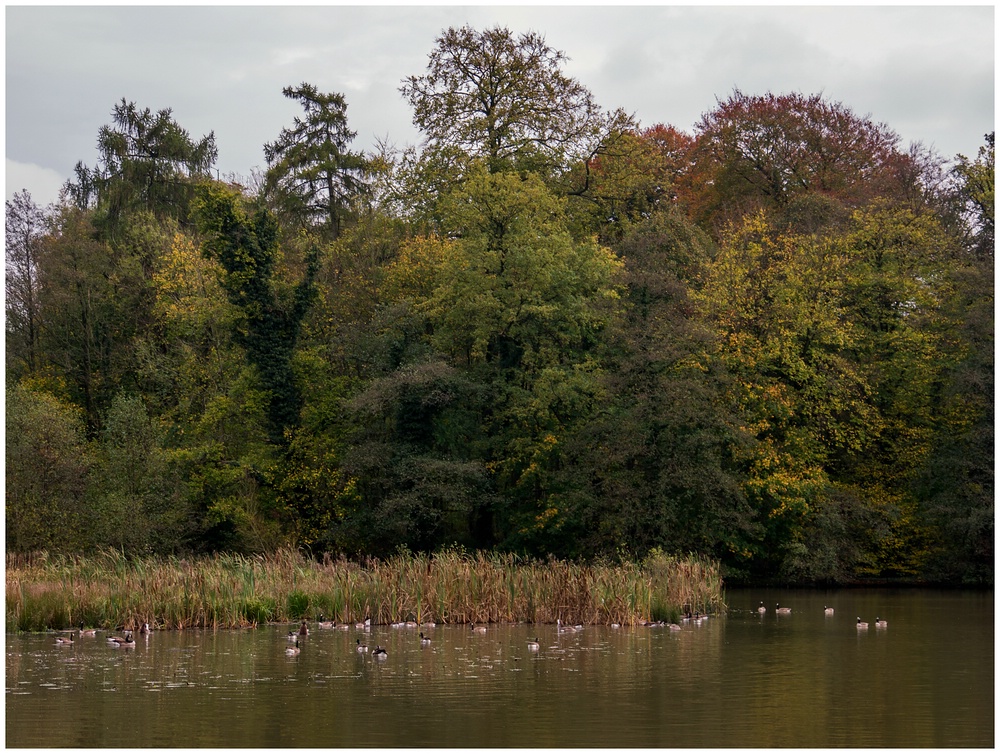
[110, 590]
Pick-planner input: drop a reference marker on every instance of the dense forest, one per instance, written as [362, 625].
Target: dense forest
[547, 330]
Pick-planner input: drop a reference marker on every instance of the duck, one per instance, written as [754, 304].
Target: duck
[827, 610]
[293, 650]
[533, 644]
[424, 641]
[87, 631]
[361, 647]
[563, 629]
[861, 624]
[62, 640]
[761, 609]
[304, 629]
[881, 623]
[378, 653]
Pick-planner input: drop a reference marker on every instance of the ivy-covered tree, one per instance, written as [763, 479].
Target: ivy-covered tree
[312, 175]
[243, 238]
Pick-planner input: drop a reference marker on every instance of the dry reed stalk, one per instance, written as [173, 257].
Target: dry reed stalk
[110, 590]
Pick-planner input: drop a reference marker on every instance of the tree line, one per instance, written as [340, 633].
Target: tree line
[546, 330]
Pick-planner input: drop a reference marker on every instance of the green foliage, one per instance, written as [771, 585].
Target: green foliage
[311, 172]
[544, 332]
[146, 162]
[47, 459]
[503, 99]
[244, 240]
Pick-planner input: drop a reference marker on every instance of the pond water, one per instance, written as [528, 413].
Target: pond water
[743, 680]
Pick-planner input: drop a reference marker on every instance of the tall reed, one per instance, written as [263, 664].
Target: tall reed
[110, 590]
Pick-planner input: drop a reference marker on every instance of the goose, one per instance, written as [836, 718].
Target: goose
[87, 631]
[478, 629]
[324, 623]
[881, 623]
[127, 641]
[378, 653]
[761, 609]
[304, 629]
[424, 641]
[782, 610]
[292, 636]
[64, 640]
[366, 624]
[118, 639]
[827, 610]
[533, 645]
[674, 627]
[361, 647]
[428, 624]
[293, 650]
[862, 626]
[410, 624]
[145, 630]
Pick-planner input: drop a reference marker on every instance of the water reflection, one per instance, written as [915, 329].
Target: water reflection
[747, 680]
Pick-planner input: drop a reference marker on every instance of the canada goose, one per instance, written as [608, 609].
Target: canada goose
[64, 640]
[782, 610]
[292, 637]
[366, 624]
[424, 641]
[324, 623]
[478, 629]
[87, 631]
[378, 653]
[616, 625]
[827, 610]
[361, 647]
[145, 630]
[127, 641]
[674, 627]
[761, 609]
[881, 623]
[293, 650]
[428, 624]
[410, 624]
[533, 645]
[304, 629]
[861, 625]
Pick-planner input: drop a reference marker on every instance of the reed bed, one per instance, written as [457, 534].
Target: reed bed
[110, 590]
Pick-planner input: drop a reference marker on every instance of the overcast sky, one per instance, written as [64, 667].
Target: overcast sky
[927, 72]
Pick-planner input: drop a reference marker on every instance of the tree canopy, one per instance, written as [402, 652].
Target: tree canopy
[547, 331]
